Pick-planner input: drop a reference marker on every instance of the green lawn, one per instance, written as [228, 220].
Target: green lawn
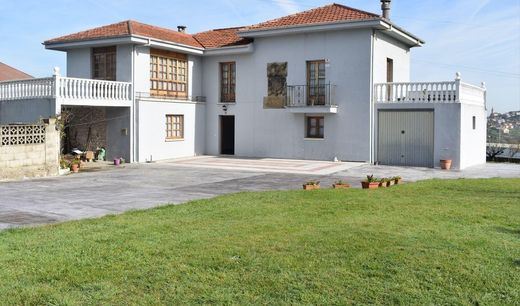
[433, 242]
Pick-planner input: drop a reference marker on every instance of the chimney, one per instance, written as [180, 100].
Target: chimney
[181, 29]
[385, 7]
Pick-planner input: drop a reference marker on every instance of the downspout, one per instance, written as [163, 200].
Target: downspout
[372, 111]
[134, 111]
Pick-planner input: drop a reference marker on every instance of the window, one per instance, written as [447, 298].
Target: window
[316, 82]
[174, 127]
[168, 74]
[104, 63]
[474, 120]
[227, 82]
[315, 127]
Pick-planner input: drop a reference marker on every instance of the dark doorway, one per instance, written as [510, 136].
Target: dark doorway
[227, 135]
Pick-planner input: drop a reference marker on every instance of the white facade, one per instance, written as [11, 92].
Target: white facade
[356, 57]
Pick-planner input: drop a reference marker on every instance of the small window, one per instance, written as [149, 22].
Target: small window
[474, 122]
[227, 82]
[174, 127]
[315, 127]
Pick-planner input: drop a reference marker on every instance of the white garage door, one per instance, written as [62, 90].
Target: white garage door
[405, 138]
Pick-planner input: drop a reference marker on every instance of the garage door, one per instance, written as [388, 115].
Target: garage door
[405, 138]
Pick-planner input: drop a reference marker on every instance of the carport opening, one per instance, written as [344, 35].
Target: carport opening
[96, 129]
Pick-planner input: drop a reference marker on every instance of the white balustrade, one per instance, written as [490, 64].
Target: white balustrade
[27, 89]
[430, 92]
[65, 88]
[424, 92]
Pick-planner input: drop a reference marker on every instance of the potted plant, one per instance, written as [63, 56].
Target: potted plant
[340, 185]
[397, 179]
[75, 164]
[370, 183]
[117, 161]
[390, 181]
[311, 185]
[445, 164]
[383, 182]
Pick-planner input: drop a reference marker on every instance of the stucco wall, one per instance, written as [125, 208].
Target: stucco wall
[79, 63]
[387, 47]
[118, 132]
[473, 141]
[124, 63]
[26, 111]
[277, 132]
[152, 129]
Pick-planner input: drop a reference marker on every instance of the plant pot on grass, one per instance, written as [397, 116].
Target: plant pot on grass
[311, 185]
[390, 182]
[445, 164]
[370, 182]
[382, 183]
[340, 185]
[74, 165]
[397, 180]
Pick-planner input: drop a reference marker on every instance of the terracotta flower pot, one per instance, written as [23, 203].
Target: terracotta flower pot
[390, 183]
[445, 164]
[340, 186]
[370, 185]
[74, 168]
[382, 184]
[398, 181]
[311, 187]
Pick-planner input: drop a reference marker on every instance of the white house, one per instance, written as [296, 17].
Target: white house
[330, 82]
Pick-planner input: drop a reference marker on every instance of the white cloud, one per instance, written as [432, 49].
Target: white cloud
[289, 6]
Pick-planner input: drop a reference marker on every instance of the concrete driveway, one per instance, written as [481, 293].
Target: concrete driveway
[138, 186]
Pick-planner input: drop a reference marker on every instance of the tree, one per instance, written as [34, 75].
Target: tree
[492, 150]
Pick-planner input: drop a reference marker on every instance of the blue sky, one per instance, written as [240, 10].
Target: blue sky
[479, 38]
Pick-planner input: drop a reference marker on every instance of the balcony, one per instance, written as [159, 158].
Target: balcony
[430, 92]
[309, 99]
[68, 91]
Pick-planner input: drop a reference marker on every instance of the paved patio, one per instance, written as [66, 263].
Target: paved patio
[139, 186]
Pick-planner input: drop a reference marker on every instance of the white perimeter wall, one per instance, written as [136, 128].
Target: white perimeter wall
[276, 132]
[473, 141]
[152, 129]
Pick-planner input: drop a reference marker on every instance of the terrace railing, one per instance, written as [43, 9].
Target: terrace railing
[65, 88]
[429, 92]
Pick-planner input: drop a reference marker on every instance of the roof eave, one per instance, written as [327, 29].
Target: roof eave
[228, 50]
[376, 23]
[119, 40]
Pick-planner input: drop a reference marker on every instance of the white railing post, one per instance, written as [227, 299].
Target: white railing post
[56, 83]
[457, 87]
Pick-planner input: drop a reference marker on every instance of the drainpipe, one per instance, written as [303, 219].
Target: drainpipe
[371, 101]
[133, 115]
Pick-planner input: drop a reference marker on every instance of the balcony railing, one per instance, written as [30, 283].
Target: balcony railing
[308, 96]
[429, 92]
[147, 95]
[65, 88]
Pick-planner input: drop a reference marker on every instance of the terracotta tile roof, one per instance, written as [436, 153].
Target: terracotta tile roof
[324, 14]
[9, 73]
[221, 38]
[127, 28]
